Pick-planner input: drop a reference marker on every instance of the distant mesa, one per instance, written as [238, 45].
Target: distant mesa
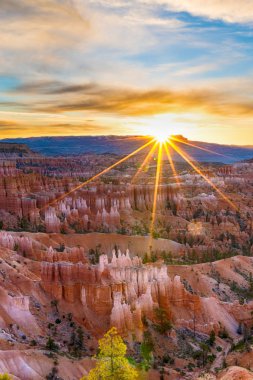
[180, 137]
[11, 149]
[123, 145]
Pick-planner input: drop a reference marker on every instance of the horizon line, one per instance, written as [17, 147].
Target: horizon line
[249, 146]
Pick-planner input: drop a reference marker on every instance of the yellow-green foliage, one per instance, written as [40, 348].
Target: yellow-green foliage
[111, 361]
[5, 376]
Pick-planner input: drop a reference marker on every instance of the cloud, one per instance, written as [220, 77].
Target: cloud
[6, 124]
[134, 12]
[78, 39]
[232, 11]
[37, 33]
[54, 87]
[97, 40]
[67, 98]
[47, 23]
[13, 128]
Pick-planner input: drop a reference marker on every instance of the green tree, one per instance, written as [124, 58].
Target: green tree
[79, 338]
[211, 339]
[164, 324]
[111, 361]
[5, 376]
[250, 282]
[51, 345]
[24, 224]
[76, 342]
[204, 353]
[147, 347]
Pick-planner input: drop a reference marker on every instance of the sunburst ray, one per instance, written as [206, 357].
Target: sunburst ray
[106, 170]
[156, 188]
[171, 163]
[189, 161]
[145, 161]
[196, 146]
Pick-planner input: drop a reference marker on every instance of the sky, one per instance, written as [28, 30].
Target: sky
[98, 67]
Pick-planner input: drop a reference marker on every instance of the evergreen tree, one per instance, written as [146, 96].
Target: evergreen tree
[5, 376]
[51, 345]
[111, 361]
[164, 324]
[147, 347]
[211, 339]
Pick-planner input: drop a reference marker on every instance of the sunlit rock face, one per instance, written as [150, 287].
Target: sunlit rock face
[52, 222]
[36, 200]
[142, 197]
[123, 291]
[72, 255]
[22, 244]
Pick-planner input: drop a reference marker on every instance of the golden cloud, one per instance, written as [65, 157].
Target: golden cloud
[57, 97]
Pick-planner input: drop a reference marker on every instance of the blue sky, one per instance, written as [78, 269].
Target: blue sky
[76, 67]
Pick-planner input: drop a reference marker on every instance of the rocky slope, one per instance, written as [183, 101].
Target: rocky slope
[52, 291]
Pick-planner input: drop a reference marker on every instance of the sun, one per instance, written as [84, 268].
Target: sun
[161, 134]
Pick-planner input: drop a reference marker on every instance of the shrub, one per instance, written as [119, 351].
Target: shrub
[51, 345]
[211, 339]
[223, 334]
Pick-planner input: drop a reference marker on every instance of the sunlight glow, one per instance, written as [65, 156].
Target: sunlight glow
[161, 134]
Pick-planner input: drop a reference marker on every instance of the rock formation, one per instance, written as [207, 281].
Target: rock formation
[124, 291]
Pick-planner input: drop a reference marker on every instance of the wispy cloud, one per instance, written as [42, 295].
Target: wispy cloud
[25, 129]
[7, 124]
[64, 98]
[36, 33]
[232, 11]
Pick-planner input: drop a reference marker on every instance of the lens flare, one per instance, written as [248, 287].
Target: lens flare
[161, 134]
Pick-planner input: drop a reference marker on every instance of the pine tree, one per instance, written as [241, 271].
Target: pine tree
[111, 361]
[5, 376]
[51, 345]
[211, 339]
[164, 324]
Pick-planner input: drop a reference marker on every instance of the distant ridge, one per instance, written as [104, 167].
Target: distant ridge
[11, 149]
[121, 145]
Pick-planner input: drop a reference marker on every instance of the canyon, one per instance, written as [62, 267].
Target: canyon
[77, 259]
